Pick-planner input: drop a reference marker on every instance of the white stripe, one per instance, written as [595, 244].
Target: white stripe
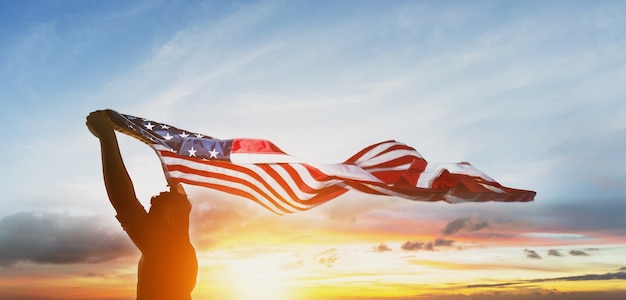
[252, 158]
[493, 188]
[347, 171]
[404, 167]
[466, 169]
[427, 176]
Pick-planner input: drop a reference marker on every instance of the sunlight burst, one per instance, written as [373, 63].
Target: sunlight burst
[261, 279]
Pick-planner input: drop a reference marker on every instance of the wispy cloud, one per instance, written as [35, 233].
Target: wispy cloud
[382, 247]
[327, 258]
[554, 252]
[587, 277]
[428, 246]
[578, 253]
[532, 254]
[464, 224]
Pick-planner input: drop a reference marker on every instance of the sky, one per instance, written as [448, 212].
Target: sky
[529, 92]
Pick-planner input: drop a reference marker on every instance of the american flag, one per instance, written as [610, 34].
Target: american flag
[258, 170]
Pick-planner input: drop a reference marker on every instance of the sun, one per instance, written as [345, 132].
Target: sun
[260, 278]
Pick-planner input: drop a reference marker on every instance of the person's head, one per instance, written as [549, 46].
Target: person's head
[173, 207]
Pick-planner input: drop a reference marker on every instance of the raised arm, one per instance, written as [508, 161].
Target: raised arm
[116, 179]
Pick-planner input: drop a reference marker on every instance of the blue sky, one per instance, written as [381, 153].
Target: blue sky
[532, 87]
[530, 92]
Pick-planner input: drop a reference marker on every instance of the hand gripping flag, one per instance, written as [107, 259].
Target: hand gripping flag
[258, 170]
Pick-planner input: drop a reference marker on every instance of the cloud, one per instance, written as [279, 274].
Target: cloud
[443, 242]
[532, 254]
[554, 252]
[428, 246]
[382, 247]
[327, 258]
[412, 246]
[454, 226]
[59, 239]
[293, 265]
[578, 253]
[551, 294]
[587, 277]
[464, 224]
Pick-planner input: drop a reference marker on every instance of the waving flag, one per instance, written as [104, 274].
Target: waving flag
[258, 170]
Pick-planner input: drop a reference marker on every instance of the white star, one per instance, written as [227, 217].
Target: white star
[168, 136]
[192, 152]
[149, 126]
[164, 126]
[213, 153]
[184, 135]
[199, 135]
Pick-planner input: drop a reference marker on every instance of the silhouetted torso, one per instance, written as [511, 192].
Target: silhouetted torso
[168, 265]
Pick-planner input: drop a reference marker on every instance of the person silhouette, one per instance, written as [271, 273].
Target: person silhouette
[168, 266]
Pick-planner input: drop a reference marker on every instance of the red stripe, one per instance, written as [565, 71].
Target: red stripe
[361, 153]
[255, 146]
[403, 160]
[412, 175]
[363, 188]
[396, 147]
[389, 177]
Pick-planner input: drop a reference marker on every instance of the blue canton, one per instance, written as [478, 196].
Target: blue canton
[182, 142]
